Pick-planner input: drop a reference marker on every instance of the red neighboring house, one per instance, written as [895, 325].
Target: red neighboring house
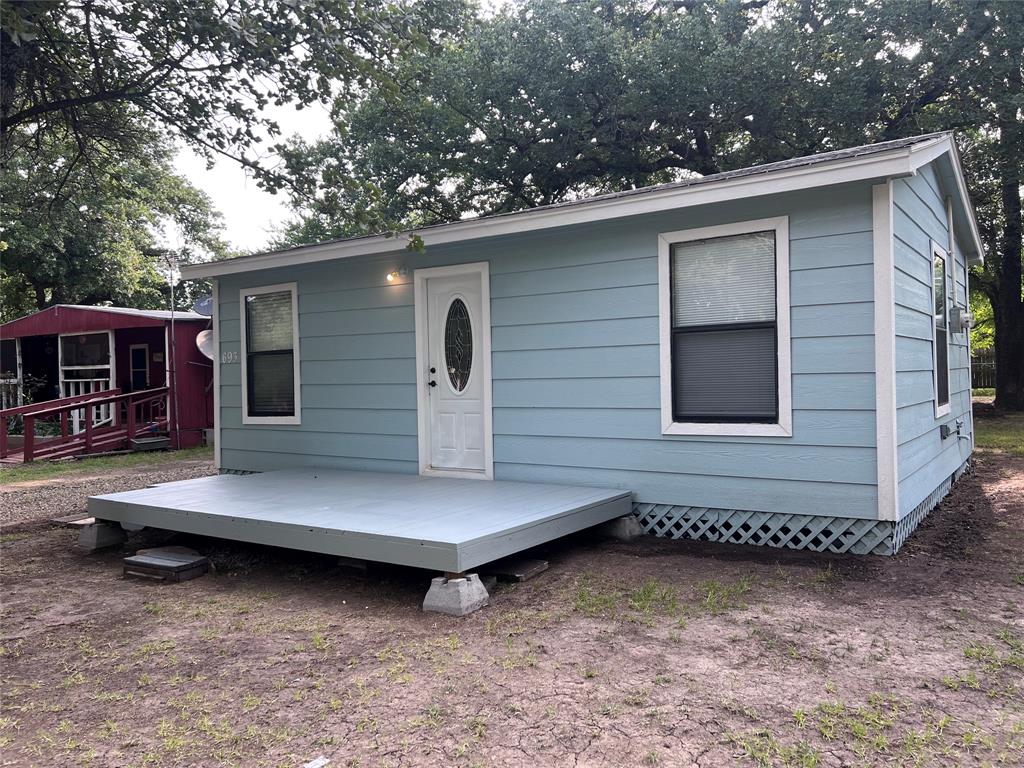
[70, 350]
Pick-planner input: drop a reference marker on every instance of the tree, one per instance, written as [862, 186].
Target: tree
[547, 101]
[75, 232]
[204, 70]
[997, 172]
[93, 94]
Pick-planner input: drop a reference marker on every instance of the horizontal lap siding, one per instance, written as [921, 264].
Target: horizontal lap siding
[925, 460]
[575, 363]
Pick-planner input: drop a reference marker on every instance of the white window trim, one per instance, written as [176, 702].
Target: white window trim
[784, 426]
[242, 294]
[943, 409]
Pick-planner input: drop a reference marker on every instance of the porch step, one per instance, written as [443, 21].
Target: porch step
[173, 564]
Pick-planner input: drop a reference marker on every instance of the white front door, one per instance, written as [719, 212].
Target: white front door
[455, 370]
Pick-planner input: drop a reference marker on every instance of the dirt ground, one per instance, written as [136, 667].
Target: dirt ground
[651, 652]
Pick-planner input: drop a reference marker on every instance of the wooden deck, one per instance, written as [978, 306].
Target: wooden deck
[429, 522]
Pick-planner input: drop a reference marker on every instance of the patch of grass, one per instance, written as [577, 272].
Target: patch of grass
[653, 597]
[1004, 434]
[46, 470]
[882, 731]
[517, 657]
[592, 600]
[764, 749]
[829, 578]
[983, 392]
[717, 598]
[510, 623]
[994, 658]
[638, 697]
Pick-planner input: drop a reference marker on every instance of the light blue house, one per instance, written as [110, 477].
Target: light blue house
[775, 356]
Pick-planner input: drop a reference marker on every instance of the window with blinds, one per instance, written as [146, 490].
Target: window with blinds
[724, 332]
[270, 356]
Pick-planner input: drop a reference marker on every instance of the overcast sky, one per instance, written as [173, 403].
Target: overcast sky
[250, 214]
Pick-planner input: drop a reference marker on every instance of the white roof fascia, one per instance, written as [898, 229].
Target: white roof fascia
[894, 163]
[921, 155]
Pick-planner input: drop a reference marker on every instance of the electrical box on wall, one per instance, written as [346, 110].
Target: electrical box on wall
[960, 320]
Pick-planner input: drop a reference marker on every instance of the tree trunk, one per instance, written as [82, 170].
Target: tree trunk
[1008, 310]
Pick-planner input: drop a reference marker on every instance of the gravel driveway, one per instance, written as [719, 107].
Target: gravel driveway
[33, 501]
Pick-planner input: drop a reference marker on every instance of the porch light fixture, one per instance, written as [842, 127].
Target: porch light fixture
[393, 276]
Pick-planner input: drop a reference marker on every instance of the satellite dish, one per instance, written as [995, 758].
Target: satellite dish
[204, 340]
[203, 306]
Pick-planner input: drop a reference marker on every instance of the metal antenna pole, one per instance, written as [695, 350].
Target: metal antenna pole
[174, 362]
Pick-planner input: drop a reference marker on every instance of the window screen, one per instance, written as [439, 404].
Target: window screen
[941, 332]
[89, 349]
[724, 336]
[269, 354]
[8, 359]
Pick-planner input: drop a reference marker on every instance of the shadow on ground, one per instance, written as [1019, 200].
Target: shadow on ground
[649, 652]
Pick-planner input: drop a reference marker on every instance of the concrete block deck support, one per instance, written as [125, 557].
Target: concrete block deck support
[625, 528]
[456, 596]
[100, 535]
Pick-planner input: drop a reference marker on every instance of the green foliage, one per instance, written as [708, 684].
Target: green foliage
[96, 93]
[983, 332]
[546, 101]
[83, 228]
[204, 69]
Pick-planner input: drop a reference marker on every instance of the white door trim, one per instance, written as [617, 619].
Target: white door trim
[420, 277]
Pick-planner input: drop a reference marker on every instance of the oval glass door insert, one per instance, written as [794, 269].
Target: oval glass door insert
[458, 344]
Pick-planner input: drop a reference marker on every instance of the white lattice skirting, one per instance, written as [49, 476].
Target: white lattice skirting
[773, 529]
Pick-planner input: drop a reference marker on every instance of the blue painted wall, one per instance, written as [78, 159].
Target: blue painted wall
[575, 364]
[924, 458]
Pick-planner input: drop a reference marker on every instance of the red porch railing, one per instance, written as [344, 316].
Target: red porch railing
[134, 414]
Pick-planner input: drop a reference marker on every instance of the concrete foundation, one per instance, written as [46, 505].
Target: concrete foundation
[456, 597]
[100, 535]
[625, 528]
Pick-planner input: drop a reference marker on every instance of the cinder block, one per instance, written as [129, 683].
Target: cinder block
[456, 597]
[100, 535]
[625, 528]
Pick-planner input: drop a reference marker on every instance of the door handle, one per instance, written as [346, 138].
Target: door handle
[432, 383]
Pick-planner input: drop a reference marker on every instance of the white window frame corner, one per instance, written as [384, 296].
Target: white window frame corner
[296, 363]
[421, 322]
[943, 410]
[784, 426]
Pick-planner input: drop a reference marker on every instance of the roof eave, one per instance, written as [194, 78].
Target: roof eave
[889, 164]
[921, 156]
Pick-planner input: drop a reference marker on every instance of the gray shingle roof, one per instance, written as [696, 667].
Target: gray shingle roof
[153, 314]
[754, 170]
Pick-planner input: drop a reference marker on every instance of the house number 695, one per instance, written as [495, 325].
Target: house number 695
[229, 357]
